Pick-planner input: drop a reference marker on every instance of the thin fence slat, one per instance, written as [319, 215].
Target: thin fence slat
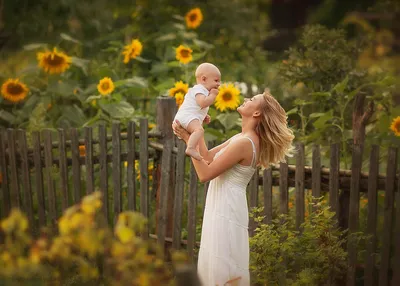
[369, 271]
[130, 170]
[267, 188]
[62, 151]
[89, 159]
[283, 188]
[4, 175]
[388, 216]
[26, 180]
[76, 168]
[396, 259]
[37, 160]
[14, 194]
[48, 159]
[334, 178]
[116, 169]
[178, 200]
[144, 178]
[299, 185]
[354, 213]
[164, 188]
[253, 199]
[316, 173]
[192, 205]
[103, 167]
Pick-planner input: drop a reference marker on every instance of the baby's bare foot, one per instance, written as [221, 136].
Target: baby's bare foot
[192, 152]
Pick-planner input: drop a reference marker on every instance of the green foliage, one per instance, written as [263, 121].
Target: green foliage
[312, 256]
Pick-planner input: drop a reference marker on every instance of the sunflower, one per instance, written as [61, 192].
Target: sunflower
[179, 87]
[82, 150]
[194, 18]
[53, 62]
[13, 90]
[184, 54]
[179, 98]
[132, 50]
[228, 97]
[395, 126]
[105, 86]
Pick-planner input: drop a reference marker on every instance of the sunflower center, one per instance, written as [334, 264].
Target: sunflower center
[14, 89]
[193, 17]
[105, 86]
[185, 53]
[55, 60]
[227, 96]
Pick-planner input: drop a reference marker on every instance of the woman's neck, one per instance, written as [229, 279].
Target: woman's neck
[248, 125]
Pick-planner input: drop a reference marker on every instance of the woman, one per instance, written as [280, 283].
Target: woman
[265, 139]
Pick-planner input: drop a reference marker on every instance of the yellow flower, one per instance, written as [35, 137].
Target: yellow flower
[124, 234]
[184, 54]
[395, 126]
[179, 99]
[90, 204]
[150, 170]
[194, 18]
[179, 87]
[228, 97]
[151, 126]
[53, 62]
[16, 221]
[143, 279]
[13, 90]
[105, 86]
[132, 50]
[82, 150]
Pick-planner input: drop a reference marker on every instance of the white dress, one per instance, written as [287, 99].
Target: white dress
[224, 247]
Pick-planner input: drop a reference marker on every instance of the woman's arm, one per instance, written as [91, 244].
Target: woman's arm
[234, 153]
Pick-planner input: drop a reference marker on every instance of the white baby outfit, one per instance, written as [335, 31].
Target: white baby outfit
[189, 109]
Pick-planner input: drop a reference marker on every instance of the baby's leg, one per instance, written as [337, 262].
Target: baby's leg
[197, 132]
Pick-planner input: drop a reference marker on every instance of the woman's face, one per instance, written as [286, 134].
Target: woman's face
[251, 106]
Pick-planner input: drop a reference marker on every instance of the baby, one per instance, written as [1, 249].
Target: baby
[196, 103]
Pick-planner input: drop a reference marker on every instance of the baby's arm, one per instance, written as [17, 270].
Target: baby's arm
[205, 101]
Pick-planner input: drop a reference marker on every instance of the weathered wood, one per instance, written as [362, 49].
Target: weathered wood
[144, 178]
[63, 169]
[103, 167]
[14, 194]
[299, 189]
[164, 188]
[388, 216]
[354, 213]
[178, 202]
[39, 178]
[369, 271]
[4, 175]
[116, 171]
[76, 169]
[192, 205]
[89, 160]
[267, 188]
[334, 178]
[396, 259]
[253, 199]
[26, 180]
[130, 170]
[51, 194]
[283, 189]
[316, 173]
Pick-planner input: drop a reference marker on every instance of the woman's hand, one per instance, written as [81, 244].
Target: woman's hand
[180, 131]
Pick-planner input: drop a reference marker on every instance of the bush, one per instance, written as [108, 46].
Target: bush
[85, 251]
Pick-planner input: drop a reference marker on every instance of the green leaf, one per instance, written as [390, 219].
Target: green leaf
[326, 94]
[211, 134]
[320, 122]
[118, 110]
[165, 84]
[228, 120]
[93, 97]
[315, 115]
[81, 63]
[74, 114]
[199, 56]
[301, 102]
[7, 116]
[178, 17]
[341, 86]
[166, 37]
[173, 64]
[140, 59]
[134, 81]
[35, 46]
[292, 111]
[69, 38]
[179, 26]
[203, 44]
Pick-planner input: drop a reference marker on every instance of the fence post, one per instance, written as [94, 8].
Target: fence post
[166, 110]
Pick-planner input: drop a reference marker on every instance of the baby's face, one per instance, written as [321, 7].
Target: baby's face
[211, 80]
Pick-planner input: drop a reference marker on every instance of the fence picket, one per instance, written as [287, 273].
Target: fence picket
[4, 175]
[144, 166]
[130, 170]
[283, 188]
[48, 158]
[178, 201]
[334, 178]
[89, 160]
[316, 173]
[192, 205]
[299, 185]
[37, 160]
[103, 168]
[116, 167]
[267, 188]
[63, 165]
[396, 259]
[76, 168]
[14, 194]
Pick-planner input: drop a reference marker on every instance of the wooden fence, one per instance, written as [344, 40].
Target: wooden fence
[44, 176]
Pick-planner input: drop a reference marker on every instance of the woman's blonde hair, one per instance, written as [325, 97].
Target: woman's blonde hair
[275, 135]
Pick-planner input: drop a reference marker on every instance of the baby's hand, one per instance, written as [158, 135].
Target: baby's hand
[207, 119]
[214, 92]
